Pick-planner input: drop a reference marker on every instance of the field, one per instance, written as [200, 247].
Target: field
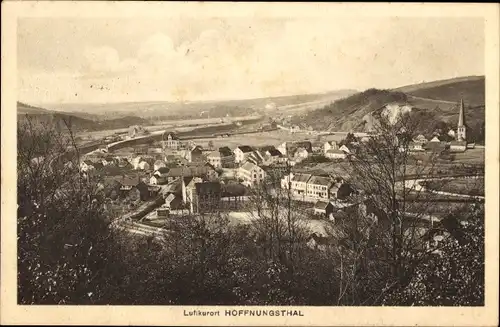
[180, 125]
[460, 186]
[471, 156]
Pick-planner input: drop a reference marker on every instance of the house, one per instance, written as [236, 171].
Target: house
[340, 191]
[195, 154]
[282, 148]
[301, 154]
[157, 180]
[458, 146]
[242, 152]
[87, 165]
[346, 149]
[251, 174]
[317, 147]
[143, 165]
[323, 208]
[207, 197]
[127, 184]
[107, 161]
[416, 146]
[135, 162]
[272, 156]
[318, 242]
[139, 191]
[159, 164]
[223, 157]
[335, 154]
[330, 145]
[317, 186]
[170, 141]
[299, 184]
[420, 139]
[187, 188]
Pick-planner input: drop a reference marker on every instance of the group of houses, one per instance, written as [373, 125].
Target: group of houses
[453, 141]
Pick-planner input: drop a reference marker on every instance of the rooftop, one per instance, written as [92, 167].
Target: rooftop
[320, 180]
[301, 177]
[245, 148]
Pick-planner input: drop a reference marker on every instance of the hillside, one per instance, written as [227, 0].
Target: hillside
[470, 88]
[435, 103]
[202, 109]
[77, 120]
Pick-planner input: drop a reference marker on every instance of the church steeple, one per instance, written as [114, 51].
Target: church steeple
[461, 118]
[461, 128]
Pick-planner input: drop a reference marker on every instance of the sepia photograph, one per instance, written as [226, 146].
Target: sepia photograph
[249, 164]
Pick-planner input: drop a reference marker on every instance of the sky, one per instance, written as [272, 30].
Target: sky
[97, 60]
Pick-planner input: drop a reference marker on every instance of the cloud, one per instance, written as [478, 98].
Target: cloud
[248, 58]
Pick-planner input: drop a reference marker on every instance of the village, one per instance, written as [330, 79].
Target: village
[173, 177]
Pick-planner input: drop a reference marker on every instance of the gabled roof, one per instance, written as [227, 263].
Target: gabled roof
[321, 205]
[225, 151]
[159, 162]
[245, 148]
[163, 170]
[172, 134]
[320, 180]
[249, 166]
[301, 177]
[274, 152]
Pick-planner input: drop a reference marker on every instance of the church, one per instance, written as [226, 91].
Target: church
[460, 142]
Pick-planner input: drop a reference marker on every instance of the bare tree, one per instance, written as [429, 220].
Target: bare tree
[389, 175]
[63, 239]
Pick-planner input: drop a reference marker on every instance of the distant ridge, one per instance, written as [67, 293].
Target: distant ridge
[435, 102]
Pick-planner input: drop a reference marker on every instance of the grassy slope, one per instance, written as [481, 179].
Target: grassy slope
[78, 122]
[434, 102]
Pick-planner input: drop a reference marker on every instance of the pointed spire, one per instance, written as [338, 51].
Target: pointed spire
[461, 116]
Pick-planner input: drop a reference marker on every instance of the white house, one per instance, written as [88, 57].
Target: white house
[330, 145]
[251, 174]
[301, 154]
[242, 152]
[318, 186]
[215, 159]
[416, 146]
[335, 154]
[87, 165]
[157, 180]
[170, 141]
[299, 184]
[345, 149]
[159, 164]
[143, 165]
[135, 162]
[420, 139]
[282, 148]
